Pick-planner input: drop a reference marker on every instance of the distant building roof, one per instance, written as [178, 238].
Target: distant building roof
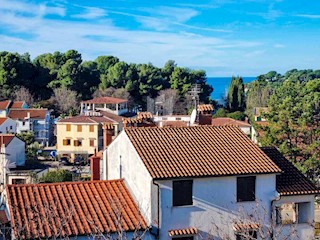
[106, 100]
[37, 113]
[291, 181]
[2, 120]
[17, 104]
[4, 104]
[6, 139]
[257, 111]
[59, 210]
[86, 119]
[200, 151]
[114, 117]
[224, 121]
[182, 232]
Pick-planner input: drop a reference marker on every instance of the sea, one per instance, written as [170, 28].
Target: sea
[221, 84]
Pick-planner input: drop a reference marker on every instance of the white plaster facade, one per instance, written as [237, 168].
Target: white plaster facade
[215, 207]
[8, 126]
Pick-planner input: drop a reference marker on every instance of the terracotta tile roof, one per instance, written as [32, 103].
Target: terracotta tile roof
[106, 100]
[3, 217]
[86, 119]
[175, 124]
[17, 104]
[6, 139]
[224, 121]
[181, 232]
[245, 226]
[132, 120]
[23, 113]
[200, 151]
[114, 117]
[205, 107]
[4, 104]
[144, 115]
[59, 210]
[291, 181]
[2, 120]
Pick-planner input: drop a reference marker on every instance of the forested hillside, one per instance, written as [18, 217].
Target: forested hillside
[52, 74]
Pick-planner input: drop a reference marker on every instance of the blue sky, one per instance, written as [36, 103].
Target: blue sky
[223, 37]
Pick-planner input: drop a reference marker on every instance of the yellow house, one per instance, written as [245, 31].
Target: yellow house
[83, 135]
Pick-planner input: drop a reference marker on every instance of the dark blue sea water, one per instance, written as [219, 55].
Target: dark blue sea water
[221, 85]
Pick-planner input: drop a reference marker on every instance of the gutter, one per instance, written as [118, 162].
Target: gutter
[157, 234]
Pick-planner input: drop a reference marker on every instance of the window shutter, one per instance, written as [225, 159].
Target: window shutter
[64, 142]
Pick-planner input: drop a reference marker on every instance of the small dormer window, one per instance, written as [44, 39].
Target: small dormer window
[182, 193]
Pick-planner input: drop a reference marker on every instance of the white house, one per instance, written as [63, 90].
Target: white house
[206, 181]
[7, 125]
[12, 154]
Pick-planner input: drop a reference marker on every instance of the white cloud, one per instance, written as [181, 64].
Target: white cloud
[28, 8]
[91, 13]
[309, 16]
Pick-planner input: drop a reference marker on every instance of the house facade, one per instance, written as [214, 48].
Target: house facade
[7, 125]
[83, 135]
[205, 181]
[12, 154]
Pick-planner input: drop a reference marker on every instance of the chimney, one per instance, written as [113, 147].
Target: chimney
[246, 120]
[95, 167]
[107, 135]
[205, 119]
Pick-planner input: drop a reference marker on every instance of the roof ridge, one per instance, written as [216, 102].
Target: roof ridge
[64, 183]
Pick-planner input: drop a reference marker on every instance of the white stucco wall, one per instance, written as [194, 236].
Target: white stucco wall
[304, 231]
[214, 204]
[15, 151]
[137, 178]
[9, 126]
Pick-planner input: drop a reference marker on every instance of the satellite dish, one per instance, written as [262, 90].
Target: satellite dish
[193, 116]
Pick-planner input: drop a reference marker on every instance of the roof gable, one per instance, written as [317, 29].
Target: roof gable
[23, 113]
[4, 104]
[72, 209]
[2, 120]
[6, 139]
[291, 181]
[201, 151]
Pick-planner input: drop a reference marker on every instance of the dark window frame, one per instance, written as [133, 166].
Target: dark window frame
[246, 189]
[182, 193]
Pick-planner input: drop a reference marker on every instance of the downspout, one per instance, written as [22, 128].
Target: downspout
[157, 234]
[273, 213]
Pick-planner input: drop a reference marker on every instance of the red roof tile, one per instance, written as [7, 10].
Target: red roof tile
[201, 151]
[86, 119]
[59, 210]
[291, 181]
[6, 139]
[205, 107]
[245, 226]
[18, 104]
[4, 104]
[224, 121]
[2, 120]
[114, 117]
[23, 113]
[182, 232]
[106, 100]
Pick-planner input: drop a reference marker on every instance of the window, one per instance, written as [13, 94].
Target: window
[246, 189]
[11, 127]
[251, 234]
[68, 127]
[91, 128]
[66, 142]
[91, 142]
[182, 193]
[18, 181]
[79, 128]
[23, 123]
[289, 213]
[77, 143]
